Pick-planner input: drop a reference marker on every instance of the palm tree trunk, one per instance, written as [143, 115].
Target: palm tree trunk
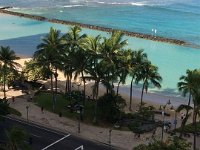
[66, 85]
[142, 95]
[68, 80]
[56, 85]
[131, 90]
[56, 80]
[195, 127]
[4, 81]
[52, 91]
[83, 88]
[96, 103]
[118, 87]
[184, 121]
[70, 83]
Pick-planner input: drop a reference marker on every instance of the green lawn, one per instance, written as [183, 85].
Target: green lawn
[14, 111]
[190, 128]
[45, 100]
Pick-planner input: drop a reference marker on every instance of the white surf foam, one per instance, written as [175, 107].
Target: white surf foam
[143, 3]
[69, 6]
[15, 8]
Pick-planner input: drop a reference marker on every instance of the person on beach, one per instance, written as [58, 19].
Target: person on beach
[13, 99]
[42, 109]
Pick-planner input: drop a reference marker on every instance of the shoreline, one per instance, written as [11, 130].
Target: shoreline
[94, 27]
[155, 99]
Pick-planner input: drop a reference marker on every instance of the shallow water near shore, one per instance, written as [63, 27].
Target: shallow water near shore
[23, 35]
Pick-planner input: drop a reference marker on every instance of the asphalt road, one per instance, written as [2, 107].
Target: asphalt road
[48, 139]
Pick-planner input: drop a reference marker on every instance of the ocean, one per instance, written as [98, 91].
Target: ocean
[167, 18]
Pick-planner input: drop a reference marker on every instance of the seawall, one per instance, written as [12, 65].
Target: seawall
[93, 27]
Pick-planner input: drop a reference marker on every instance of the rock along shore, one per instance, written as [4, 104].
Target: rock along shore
[93, 27]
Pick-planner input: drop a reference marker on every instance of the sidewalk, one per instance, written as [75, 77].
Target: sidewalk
[120, 139]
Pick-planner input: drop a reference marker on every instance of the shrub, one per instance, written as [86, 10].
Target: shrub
[110, 107]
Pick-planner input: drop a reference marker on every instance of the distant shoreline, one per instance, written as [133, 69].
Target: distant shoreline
[94, 27]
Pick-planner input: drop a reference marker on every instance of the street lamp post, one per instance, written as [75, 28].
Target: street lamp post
[79, 112]
[175, 119]
[163, 115]
[79, 124]
[110, 131]
[175, 116]
[27, 107]
[79, 84]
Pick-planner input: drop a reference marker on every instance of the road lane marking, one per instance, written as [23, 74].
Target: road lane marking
[56, 142]
[80, 147]
[36, 135]
[33, 125]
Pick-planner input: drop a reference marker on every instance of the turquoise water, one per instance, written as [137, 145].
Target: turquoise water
[170, 18]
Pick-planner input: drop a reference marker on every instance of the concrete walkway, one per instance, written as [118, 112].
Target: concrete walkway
[120, 139]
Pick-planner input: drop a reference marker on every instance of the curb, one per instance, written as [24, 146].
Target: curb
[63, 131]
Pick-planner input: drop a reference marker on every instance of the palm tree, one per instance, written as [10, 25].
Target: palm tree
[81, 63]
[72, 44]
[110, 50]
[150, 76]
[196, 112]
[186, 86]
[196, 102]
[138, 58]
[48, 55]
[7, 57]
[123, 66]
[184, 121]
[16, 139]
[91, 46]
[191, 85]
[97, 74]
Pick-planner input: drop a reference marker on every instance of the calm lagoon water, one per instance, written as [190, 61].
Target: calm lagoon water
[171, 18]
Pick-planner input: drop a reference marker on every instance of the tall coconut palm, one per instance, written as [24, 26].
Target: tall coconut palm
[81, 63]
[187, 86]
[196, 112]
[110, 49]
[123, 66]
[149, 76]
[184, 121]
[97, 74]
[196, 102]
[92, 47]
[72, 43]
[48, 54]
[191, 84]
[138, 59]
[7, 59]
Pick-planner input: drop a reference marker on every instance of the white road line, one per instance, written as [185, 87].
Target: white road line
[56, 142]
[32, 124]
[36, 135]
[80, 147]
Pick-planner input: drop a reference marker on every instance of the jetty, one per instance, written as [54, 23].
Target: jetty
[94, 27]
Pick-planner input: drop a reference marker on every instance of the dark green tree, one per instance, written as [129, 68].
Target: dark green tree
[138, 58]
[7, 60]
[150, 77]
[48, 56]
[16, 139]
[174, 143]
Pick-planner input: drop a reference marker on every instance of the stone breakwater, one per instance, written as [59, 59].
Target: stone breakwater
[93, 27]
